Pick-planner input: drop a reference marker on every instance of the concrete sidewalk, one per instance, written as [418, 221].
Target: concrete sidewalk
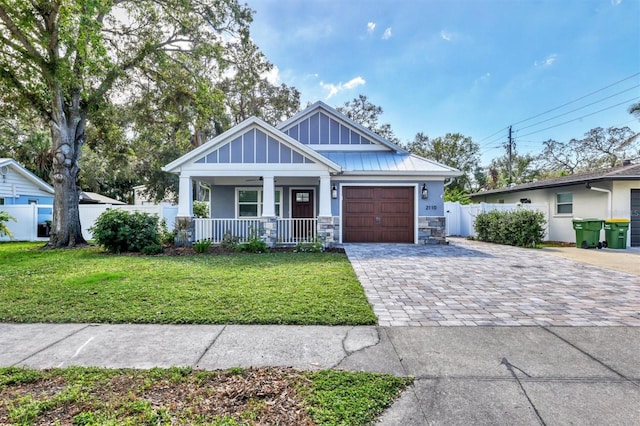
[464, 375]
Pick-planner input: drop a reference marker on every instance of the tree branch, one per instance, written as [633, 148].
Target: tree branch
[35, 101]
[19, 35]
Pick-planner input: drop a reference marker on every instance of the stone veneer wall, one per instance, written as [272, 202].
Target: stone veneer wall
[432, 230]
[329, 230]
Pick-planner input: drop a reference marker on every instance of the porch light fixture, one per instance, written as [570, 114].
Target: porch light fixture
[425, 193]
[334, 192]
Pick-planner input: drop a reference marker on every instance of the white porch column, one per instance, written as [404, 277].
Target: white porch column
[325, 196]
[185, 197]
[269, 196]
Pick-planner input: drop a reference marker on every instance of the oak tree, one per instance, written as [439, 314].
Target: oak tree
[66, 59]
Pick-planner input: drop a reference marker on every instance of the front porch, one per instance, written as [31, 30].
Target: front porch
[274, 231]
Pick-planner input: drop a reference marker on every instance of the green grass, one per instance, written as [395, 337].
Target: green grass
[84, 396]
[344, 398]
[88, 285]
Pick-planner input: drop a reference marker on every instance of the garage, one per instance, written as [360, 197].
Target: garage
[382, 214]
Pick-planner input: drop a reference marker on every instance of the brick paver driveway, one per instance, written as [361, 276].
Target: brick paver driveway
[472, 283]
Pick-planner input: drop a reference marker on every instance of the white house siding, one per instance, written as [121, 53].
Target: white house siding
[586, 204]
[622, 198]
[15, 187]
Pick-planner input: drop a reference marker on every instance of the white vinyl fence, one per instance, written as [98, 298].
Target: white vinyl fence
[30, 224]
[461, 218]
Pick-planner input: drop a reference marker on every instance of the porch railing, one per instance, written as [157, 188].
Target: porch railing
[215, 229]
[289, 231]
[292, 231]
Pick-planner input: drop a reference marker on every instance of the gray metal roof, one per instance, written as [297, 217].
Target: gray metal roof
[630, 172]
[388, 162]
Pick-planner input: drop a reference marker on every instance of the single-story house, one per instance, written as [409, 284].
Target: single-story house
[18, 186]
[141, 197]
[602, 194]
[316, 176]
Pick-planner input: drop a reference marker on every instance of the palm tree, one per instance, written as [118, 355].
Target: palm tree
[4, 218]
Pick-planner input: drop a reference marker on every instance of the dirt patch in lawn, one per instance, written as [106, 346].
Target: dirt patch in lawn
[255, 396]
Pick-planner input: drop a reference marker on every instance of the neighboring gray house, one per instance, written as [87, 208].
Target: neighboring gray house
[603, 194]
[318, 175]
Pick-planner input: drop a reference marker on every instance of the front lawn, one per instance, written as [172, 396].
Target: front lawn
[89, 396]
[88, 285]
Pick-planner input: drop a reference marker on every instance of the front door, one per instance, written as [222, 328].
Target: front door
[303, 209]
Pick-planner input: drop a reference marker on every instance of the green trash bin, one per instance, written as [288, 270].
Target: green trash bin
[588, 232]
[615, 231]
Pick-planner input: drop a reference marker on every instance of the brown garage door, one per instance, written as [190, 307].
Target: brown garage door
[377, 214]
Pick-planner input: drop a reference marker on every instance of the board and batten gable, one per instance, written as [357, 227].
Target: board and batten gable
[320, 129]
[255, 147]
[251, 146]
[326, 129]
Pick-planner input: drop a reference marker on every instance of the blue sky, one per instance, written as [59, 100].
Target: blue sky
[467, 66]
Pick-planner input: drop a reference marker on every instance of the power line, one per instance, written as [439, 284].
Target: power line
[581, 117]
[558, 107]
[503, 129]
[578, 109]
[578, 99]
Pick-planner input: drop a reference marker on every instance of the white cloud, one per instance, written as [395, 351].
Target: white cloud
[482, 78]
[354, 82]
[616, 2]
[387, 34]
[371, 26]
[446, 36]
[334, 89]
[547, 62]
[273, 76]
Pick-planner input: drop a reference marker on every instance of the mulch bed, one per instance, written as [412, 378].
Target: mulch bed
[217, 250]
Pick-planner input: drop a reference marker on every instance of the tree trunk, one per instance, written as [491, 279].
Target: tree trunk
[67, 138]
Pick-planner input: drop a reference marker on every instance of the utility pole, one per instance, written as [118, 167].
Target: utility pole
[510, 154]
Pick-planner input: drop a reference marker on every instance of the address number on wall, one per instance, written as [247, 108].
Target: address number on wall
[434, 207]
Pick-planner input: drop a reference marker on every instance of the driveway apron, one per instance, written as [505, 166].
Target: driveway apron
[469, 283]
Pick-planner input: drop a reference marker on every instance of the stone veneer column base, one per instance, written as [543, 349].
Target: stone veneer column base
[432, 230]
[269, 232]
[328, 230]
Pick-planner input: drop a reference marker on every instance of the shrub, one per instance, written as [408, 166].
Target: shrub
[120, 231]
[229, 242]
[152, 249]
[254, 244]
[202, 246]
[524, 228]
[200, 209]
[309, 247]
[4, 218]
[165, 236]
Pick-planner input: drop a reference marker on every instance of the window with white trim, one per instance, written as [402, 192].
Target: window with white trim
[249, 202]
[1, 201]
[564, 203]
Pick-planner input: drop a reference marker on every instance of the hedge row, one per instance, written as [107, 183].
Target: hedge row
[524, 228]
